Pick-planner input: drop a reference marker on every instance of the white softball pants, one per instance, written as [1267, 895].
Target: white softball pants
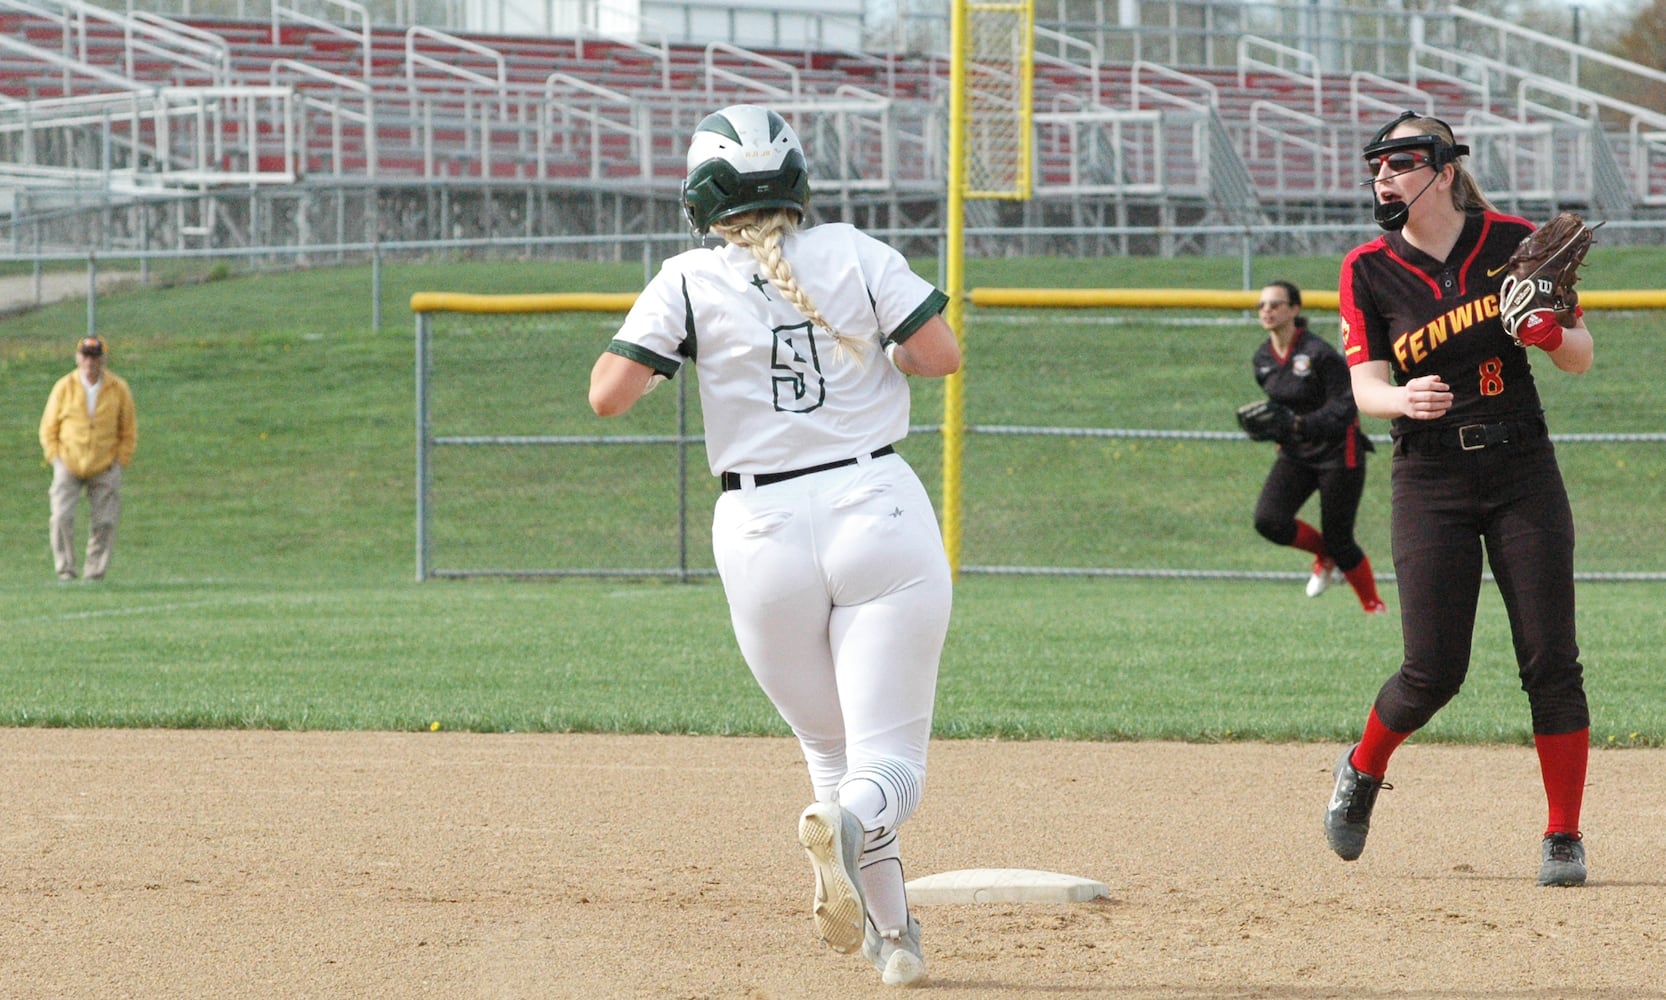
[839, 592]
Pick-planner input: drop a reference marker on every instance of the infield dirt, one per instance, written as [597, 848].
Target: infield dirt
[168, 864]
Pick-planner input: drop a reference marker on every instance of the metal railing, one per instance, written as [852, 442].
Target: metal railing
[67, 67]
[1114, 152]
[167, 137]
[660, 53]
[1359, 100]
[335, 110]
[188, 55]
[1316, 167]
[718, 72]
[416, 60]
[360, 17]
[574, 125]
[459, 112]
[1086, 70]
[1204, 94]
[1310, 80]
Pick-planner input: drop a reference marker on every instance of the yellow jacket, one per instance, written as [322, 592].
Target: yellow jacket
[89, 446]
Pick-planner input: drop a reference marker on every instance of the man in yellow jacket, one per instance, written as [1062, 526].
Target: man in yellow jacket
[88, 433]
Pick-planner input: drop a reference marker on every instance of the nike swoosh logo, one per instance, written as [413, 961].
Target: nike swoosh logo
[1337, 802]
[1495, 271]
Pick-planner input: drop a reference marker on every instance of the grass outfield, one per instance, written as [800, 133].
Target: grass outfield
[1027, 658]
[264, 574]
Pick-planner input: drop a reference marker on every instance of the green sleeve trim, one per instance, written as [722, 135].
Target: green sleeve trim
[642, 355]
[934, 304]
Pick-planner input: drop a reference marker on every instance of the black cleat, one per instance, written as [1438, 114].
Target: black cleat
[1348, 819]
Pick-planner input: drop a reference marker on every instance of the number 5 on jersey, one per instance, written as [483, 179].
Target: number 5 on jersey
[795, 365]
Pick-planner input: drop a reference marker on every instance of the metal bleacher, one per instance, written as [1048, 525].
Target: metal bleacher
[321, 123]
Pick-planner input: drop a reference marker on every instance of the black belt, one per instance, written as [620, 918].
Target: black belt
[734, 480]
[1474, 437]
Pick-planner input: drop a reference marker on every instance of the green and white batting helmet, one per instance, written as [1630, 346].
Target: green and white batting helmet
[742, 158]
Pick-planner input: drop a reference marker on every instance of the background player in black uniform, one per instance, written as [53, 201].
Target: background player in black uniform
[1324, 453]
[1474, 472]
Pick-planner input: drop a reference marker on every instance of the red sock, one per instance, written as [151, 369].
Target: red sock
[1364, 583]
[1375, 747]
[1308, 539]
[1562, 760]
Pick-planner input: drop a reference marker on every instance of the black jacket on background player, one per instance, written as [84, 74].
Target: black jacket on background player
[1324, 453]
[1312, 380]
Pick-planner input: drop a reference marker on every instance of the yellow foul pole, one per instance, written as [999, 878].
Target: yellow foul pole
[954, 389]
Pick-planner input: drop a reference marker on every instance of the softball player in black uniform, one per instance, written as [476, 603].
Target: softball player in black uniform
[1325, 452]
[1474, 473]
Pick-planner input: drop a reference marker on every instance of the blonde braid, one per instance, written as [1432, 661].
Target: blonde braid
[761, 233]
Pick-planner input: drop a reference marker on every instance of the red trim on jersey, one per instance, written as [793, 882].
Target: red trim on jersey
[1463, 272]
[1421, 275]
[1398, 316]
[1355, 349]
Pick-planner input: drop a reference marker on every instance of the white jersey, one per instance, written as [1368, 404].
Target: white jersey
[775, 397]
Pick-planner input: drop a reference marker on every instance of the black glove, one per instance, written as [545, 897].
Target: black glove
[1267, 421]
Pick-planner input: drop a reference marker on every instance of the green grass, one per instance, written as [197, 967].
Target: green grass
[264, 574]
[1027, 658]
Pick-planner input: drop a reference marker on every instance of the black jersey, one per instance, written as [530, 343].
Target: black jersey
[1430, 317]
[1312, 380]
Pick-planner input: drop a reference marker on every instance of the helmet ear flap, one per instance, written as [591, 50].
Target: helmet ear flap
[795, 178]
[708, 189]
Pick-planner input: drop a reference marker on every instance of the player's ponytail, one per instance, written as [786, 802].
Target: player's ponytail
[1466, 193]
[761, 233]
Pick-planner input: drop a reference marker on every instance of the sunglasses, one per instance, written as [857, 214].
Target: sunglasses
[1398, 163]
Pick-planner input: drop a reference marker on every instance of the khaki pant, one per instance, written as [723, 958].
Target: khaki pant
[103, 510]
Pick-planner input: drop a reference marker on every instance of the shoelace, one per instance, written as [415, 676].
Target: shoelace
[1363, 796]
[1561, 849]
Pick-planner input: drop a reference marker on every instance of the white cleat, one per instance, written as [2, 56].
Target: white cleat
[832, 836]
[896, 954]
[1325, 576]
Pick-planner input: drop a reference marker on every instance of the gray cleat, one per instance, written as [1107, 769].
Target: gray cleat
[1562, 860]
[1348, 819]
[833, 837]
[896, 954]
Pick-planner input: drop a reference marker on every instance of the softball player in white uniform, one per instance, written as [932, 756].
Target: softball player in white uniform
[826, 541]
